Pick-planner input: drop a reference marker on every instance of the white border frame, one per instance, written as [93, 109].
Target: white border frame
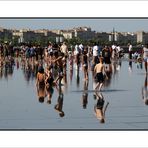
[72, 138]
[73, 8]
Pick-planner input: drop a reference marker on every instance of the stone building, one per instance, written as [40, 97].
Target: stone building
[142, 37]
[68, 34]
[84, 33]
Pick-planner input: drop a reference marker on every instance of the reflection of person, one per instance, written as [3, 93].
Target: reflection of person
[58, 107]
[41, 93]
[99, 107]
[40, 84]
[130, 66]
[40, 80]
[108, 72]
[71, 66]
[85, 95]
[145, 91]
[50, 83]
[77, 75]
[50, 92]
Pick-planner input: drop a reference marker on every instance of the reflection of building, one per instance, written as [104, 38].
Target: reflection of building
[142, 37]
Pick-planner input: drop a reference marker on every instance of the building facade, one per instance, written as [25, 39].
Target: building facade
[142, 37]
[5, 34]
[84, 33]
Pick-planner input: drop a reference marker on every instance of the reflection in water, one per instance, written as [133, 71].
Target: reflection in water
[30, 69]
[71, 67]
[50, 92]
[99, 107]
[77, 75]
[41, 93]
[59, 106]
[49, 85]
[17, 63]
[64, 83]
[130, 66]
[139, 65]
[6, 67]
[108, 71]
[85, 95]
[55, 77]
[71, 74]
[145, 91]
[116, 66]
[40, 83]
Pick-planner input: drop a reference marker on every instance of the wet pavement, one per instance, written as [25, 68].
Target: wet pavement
[21, 109]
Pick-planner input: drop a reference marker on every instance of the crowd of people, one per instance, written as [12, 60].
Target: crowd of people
[48, 66]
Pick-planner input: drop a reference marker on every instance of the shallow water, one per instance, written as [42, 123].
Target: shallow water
[21, 109]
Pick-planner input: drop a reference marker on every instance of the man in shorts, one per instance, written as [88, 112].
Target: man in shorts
[99, 70]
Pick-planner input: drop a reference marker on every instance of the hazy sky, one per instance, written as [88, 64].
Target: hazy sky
[127, 25]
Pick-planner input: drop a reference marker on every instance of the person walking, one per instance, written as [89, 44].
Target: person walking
[85, 64]
[98, 71]
[145, 91]
[64, 49]
[130, 47]
[145, 56]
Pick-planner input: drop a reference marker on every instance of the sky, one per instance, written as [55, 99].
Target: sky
[99, 25]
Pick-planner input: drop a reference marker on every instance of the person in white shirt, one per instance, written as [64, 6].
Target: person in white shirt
[95, 53]
[118, 51]
[76, 50]
[81, 47]
[77, 54]
[114, 52]
[130, 50]
[113, 46]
